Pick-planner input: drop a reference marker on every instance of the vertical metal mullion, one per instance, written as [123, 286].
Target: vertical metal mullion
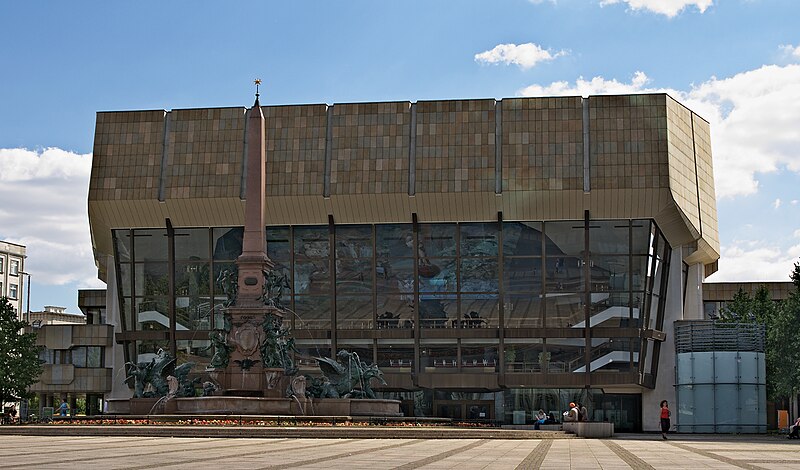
[415, 236]
[173, 347]
[458, 275]
[501, 294]
[292, 295]
[211, 287]
[332, 269]
[630, 287]
[587, 299]
[374, 232]
[543, 293]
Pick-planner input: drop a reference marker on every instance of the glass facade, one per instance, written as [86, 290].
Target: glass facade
[557, 298]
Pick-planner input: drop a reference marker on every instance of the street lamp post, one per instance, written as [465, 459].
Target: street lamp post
[28, 301]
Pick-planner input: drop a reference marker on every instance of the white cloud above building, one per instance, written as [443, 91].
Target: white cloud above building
[44, 194]
[525, 55]
[669, 8]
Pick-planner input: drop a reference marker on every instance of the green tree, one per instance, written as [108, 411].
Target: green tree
[19, 356]
[782, 322]
[783, 334]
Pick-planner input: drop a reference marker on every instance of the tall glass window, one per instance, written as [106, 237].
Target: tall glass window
[522, 274]
[354, 277]
[312, 277]
[564, 289]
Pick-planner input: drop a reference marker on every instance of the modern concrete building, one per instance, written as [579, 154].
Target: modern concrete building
[12, 270]
[52, 315]
[494, 257]
[717, 294]
[76, 352]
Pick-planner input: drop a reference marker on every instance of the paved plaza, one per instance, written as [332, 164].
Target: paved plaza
[638, 452]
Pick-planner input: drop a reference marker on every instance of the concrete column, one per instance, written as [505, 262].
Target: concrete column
[693, 308]
[115, 355]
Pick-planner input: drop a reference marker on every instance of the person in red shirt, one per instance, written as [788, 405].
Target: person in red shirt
[665, 414]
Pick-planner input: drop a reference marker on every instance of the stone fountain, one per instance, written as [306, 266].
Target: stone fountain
[252, 371]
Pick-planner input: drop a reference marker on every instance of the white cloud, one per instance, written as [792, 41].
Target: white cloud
[791, 51]
[741, 262]
[44, 196]
[796, 233]
[754, 118]
[524, 55]
[669, 8]
[777, 203]
[794, 202]
[595, 86]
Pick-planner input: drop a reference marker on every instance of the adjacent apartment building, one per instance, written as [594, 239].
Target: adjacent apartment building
[12, 269]
[493, 257]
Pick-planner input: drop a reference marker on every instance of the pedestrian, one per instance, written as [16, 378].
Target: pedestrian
[584, 413]
[62, 409]
[794, 430]
[540, 419]
[572, 414]
[665, 415]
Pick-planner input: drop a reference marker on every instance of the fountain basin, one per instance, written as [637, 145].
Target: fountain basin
[284, 406]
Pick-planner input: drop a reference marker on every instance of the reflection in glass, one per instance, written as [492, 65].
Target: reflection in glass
[395, 355]
[395, 312]
[524, 355]
[608, 237]
[522, 275]
[394, 240]
[522, 238]
[564, 310]
[439, 357]
[278, 243]
[311, 276]
[354, 275]
[436, 240]
[150, 244]
[191, 243]
[146, 350]
[479, 311]
[395, 275]
[311, 242]
[640, 237]
[152, 313]
[123, 247]
[479, 239]
[565, 355]
[228, 243]
[354, 312]
[353, 241]
[313, 312]
[437, 275]
[479, 275]
[479, 358]
[609, 273]
[522, 311]
[436, 311]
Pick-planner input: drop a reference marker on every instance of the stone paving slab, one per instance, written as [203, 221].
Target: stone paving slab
[637, 452]
[319, 432]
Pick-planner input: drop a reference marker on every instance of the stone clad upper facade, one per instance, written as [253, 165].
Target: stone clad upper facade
[627, 156]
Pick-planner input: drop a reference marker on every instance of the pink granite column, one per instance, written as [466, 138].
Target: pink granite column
[254, 257]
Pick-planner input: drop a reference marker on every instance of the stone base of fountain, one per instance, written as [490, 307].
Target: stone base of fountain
[250, 405]
[217, 405]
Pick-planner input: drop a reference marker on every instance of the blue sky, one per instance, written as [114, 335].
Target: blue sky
[735, 62]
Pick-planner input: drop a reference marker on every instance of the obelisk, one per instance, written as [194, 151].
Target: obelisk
[254, 260]
[245, 373]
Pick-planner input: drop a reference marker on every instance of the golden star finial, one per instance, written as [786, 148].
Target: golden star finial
[257, 81]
